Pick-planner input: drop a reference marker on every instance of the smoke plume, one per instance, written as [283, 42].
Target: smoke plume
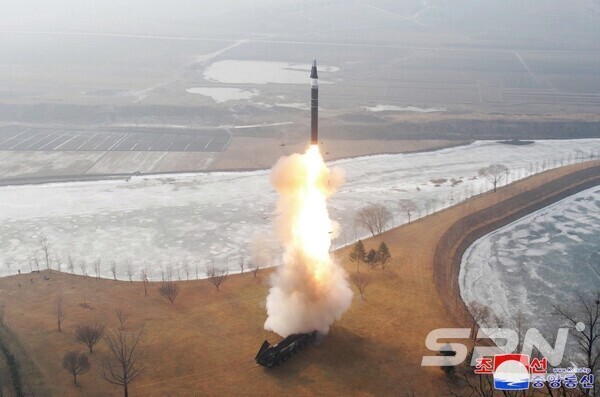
[309, 291]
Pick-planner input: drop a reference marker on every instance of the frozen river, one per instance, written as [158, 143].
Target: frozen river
[168, 220]
[541, 260]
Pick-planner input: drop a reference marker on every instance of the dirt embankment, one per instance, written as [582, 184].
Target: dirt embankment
[462, 233]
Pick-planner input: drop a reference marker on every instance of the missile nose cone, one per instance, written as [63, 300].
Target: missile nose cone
[313, 70]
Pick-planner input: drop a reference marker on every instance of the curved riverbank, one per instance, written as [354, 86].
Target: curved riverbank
[466, 230]
[521, 270]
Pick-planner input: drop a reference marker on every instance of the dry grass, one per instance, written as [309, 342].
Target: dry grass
[205, 343]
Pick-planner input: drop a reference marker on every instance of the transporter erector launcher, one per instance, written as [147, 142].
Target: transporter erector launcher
[272, 355]
[314, 105]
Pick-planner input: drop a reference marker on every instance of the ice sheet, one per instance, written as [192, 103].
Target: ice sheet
[200, 217]
[541, 260]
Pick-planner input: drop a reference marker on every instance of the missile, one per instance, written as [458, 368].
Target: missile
[314, 105]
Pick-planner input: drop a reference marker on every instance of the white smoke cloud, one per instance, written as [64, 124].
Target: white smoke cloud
[309, 291]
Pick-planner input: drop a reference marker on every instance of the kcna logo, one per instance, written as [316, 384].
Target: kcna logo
[511, 371]
[516, 372]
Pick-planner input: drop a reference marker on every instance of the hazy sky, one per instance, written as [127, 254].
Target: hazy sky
[61, 49]
[265, 16]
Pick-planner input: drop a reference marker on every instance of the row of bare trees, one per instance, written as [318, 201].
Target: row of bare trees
[376, 218]
[168, 273]
[214, 275]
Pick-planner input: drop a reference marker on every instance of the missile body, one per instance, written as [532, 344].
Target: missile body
[314, 105]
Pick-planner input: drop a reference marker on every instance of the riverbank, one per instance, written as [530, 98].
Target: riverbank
[465, 231]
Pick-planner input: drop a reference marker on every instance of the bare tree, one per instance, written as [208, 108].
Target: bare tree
[520, 327]
[482, 386]
[169, 290]
[59, 312]
[434, 203]
[254, 268]
[125, 364]
[241, 265]
[144, 277]
[408, 207]
[129, 270]
[83, 267]
[361, 281]
[88, 334]
[71, 262]
[122, 316]
[216, 276]
[507, 174]
[169, 271]
[480, 313]
[186, 270]
[75, 363]
[374, 217]
[45, 246]
[36, 262]
[113, 270]
[493, 173]
[586, 322]
[58, 261]
[97, 265]
[428, 206]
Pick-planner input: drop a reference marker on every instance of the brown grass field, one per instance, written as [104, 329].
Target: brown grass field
[205, 343]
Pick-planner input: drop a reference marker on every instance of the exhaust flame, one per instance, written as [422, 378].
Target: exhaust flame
[309, 291]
